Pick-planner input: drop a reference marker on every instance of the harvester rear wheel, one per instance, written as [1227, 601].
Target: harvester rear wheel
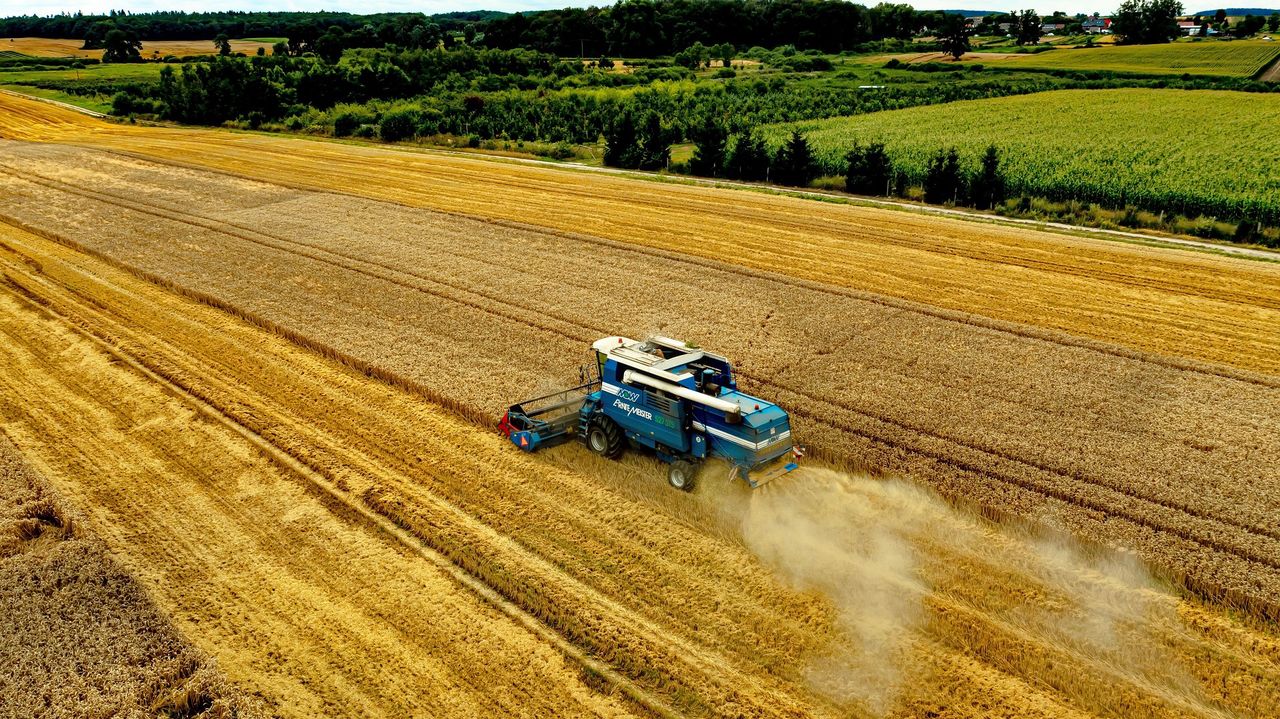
[604, 437]
[682, 475]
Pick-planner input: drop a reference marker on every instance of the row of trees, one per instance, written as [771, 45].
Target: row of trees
[649, 28]
[522, 94]
[745, 156]
[698, 55]
[206, 25]
[230, 88]
[632, 28]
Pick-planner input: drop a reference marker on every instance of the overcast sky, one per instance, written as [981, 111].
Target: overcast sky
[49, 7]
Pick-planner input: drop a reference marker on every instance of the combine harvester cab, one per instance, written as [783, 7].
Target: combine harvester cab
[679, 402]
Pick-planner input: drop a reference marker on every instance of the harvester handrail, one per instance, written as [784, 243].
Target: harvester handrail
[585, 388]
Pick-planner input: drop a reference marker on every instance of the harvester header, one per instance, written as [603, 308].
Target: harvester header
[665, 396]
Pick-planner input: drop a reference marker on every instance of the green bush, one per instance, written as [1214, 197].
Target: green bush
[399, 125]
[127, 103]
[347, 123]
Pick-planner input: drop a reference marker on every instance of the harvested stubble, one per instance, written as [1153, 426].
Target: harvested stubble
[689, 617]
[78, 635]
[1178, 304]
[297, 599]
[991, 624]
[1176, 460]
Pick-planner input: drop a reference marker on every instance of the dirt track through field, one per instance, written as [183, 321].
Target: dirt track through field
[950, 612]
[1122, 447]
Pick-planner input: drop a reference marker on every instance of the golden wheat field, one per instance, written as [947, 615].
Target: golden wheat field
[266, 370]
[51, 47]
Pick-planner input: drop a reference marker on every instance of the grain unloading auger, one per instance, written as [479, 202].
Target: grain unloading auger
[661, 395]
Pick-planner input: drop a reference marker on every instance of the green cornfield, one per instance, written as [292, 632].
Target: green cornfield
[1207, 57]
[1194, 152]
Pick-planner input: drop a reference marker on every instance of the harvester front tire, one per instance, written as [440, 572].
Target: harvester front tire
[604, 437]
[682, 475]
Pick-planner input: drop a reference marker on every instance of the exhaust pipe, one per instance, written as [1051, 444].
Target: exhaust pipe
[729, 408]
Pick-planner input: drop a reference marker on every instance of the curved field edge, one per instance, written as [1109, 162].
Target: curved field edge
[1035, 278]
[80, 635]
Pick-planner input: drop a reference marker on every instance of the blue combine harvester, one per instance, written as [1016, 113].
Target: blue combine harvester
[660, 394]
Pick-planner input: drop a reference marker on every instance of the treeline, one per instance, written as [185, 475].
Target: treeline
[517, 94]
[631, 28]
[868, 168]
[1140, 22]
[275, 86]
[532, 96]
[946, 180]
[208, 25]
[648, 28]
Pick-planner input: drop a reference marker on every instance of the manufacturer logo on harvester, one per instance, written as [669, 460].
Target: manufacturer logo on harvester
[637, 411]
[629, 395]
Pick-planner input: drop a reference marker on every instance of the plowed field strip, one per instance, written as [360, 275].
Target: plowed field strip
[1172, 303]
[1185, 521]
[857, 265]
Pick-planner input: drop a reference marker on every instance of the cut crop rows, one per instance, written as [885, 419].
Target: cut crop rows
[1009, 420]
[561, 539]
[78, 634]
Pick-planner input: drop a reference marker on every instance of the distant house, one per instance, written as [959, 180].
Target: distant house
[1188, 27]
[1005, 26]
[1052, 27]
[1096, 25]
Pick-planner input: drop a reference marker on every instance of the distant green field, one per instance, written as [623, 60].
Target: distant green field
[1239, 58]
[112, 71]
[268, 40]
[91, 87]
[1189, 151]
